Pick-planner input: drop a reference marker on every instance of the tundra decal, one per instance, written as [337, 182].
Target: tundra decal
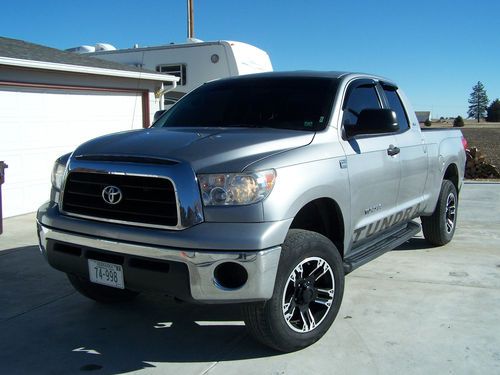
[385, 223]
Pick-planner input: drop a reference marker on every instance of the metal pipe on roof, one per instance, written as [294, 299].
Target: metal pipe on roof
[190, 18]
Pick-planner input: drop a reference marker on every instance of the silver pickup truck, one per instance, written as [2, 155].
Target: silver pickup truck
[264, 190]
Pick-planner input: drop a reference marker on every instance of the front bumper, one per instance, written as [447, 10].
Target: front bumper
[187, 274]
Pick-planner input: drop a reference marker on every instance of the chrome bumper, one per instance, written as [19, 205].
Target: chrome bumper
[261, 266]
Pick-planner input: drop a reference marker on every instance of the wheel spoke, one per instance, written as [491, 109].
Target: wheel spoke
[323, 267]
[286, 306]
[330, 292]
[305, 327]
[325, 302]
[319, 265]
[297, 273]
[325, 270]
[312, 321]
[308, 321]
[449, 225]
[289, 315]
[300, 269]
[287, 312]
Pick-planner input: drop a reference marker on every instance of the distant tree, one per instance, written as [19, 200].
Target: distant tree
[478, 102]
[427, 122]
[494, 111]
[458, 122]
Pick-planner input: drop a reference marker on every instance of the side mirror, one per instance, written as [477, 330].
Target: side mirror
[374, 121]
[158, 114]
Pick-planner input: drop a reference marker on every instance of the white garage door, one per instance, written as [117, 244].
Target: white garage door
[39, 125]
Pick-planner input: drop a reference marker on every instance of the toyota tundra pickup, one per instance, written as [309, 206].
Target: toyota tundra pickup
[263, 190]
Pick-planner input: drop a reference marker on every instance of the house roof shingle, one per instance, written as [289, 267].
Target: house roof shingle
[19, 49]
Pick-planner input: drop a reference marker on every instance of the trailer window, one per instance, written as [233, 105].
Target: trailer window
[178, 70]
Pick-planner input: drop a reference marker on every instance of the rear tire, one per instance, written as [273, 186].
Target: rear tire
[101, 293]
[439, 228]
[307, 294]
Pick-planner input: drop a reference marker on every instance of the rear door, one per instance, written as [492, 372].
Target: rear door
[373, 174]
[412, 156]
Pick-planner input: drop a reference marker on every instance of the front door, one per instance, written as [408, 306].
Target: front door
[374, 174]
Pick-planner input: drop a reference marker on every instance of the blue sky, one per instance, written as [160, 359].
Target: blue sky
[435, 50]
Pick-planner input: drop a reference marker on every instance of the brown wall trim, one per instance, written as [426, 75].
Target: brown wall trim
[144, 93]
[145, 110]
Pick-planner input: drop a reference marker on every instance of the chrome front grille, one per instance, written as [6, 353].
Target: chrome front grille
[143, 200]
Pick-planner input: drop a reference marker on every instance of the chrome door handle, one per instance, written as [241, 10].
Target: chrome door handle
[393, 150]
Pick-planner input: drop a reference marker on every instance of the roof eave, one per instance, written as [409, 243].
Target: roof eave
[43, 65]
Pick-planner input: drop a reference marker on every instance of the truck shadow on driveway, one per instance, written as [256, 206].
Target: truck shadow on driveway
[49, 328]
[415, 244]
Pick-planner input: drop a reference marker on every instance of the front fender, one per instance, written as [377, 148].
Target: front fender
[297, 185]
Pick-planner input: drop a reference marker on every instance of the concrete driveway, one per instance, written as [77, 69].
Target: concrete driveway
[415, 310]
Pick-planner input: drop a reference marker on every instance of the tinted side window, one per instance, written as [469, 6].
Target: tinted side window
[362, 97]
[396, 105]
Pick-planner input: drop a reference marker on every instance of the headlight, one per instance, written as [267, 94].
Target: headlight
[58, 175]
[235, 188]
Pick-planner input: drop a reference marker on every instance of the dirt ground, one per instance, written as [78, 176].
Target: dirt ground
[486, 140]
[484, 136]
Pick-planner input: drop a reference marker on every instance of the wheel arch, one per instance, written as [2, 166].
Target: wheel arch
[452, 175]
[323, 216]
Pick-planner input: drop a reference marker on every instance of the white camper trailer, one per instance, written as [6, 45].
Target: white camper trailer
[194, 63]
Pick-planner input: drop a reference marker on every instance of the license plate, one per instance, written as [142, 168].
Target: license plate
[105, 273]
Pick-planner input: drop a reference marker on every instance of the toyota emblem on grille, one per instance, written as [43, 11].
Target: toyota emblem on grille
[112, 194]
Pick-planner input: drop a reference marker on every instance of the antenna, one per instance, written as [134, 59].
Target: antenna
[190, 18]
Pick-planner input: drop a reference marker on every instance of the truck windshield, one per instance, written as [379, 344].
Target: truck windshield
[298, 103]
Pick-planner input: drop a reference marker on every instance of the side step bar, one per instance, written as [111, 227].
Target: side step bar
[371, 251]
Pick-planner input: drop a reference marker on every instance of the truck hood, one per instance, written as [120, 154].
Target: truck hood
[208, 150]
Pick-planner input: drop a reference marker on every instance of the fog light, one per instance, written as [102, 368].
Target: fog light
[230, 276]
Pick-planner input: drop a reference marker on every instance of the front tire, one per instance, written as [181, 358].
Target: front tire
[307, 294]
[439, 228]
[101, 293]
